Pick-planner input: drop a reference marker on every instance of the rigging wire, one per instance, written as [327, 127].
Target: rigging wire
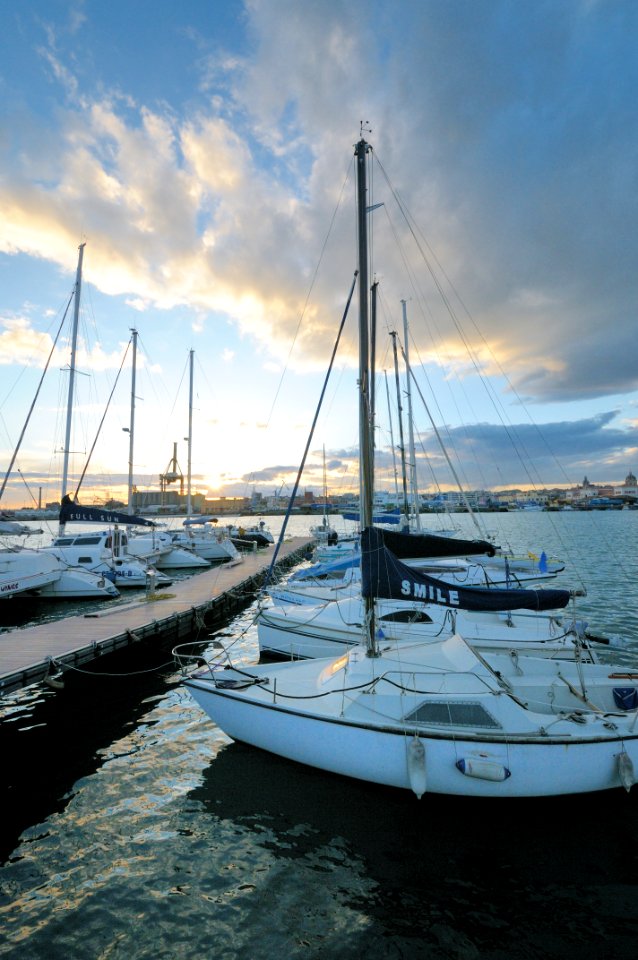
[37, 393]
[99, 429]
[517, 444]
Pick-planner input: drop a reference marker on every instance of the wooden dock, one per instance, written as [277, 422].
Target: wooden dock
[31, 654]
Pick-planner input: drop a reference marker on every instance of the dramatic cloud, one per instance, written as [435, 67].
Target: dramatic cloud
[220, 189]
[518, 154]
[522, 454]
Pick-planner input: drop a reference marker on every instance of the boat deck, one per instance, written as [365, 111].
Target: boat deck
[31, 654]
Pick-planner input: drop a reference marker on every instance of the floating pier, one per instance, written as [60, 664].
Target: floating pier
[31, 654]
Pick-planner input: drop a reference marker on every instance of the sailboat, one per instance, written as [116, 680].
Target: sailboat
[46, 572]
[441, 717]
[323, 532]
[97, 563]
[154, 547]
[198, 534]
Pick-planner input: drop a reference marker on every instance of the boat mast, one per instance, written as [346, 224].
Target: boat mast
[189, 438]
[365, 450]
[413, 480]
[69, 403]
[325, 490]
[131, 430]
[366, 493]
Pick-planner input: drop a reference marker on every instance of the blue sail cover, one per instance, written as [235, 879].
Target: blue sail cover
[75, 513]
[383, 575]
[325, 569]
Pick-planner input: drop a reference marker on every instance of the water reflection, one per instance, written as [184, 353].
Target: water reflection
[146, 833]
[464, 876]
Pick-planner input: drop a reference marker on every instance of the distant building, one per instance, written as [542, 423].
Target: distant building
[629, 488]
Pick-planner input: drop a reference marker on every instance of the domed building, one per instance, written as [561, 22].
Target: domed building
[629, 489]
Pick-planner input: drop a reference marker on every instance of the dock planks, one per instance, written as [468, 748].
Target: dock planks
[26, 654]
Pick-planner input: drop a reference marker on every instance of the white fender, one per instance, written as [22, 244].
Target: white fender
[483, 769]
[416, 767]
[626, 771]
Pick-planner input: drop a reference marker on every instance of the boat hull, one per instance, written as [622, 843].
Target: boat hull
[80, 585]
[380, 756]
[22, 571]
[304, 632]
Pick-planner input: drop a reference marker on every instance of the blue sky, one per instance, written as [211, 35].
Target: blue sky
[200, 150]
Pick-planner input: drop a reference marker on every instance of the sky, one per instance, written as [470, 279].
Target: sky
[203, 153]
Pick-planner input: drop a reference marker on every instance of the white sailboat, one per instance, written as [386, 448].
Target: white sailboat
[327, 630]
[324, 582]
[323, 532]
[97, 563]
[439, 716]
[105, 552]
[44, 572]
[151, 547]
[158, 547]
[198, 535]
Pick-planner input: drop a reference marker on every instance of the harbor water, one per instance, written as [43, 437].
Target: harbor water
[132, 827]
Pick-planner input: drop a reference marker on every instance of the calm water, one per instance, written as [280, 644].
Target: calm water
[132, 827]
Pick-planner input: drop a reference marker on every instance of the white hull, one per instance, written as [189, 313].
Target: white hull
[180, 559]
[208, 548]
[158, 548]
[105, 553]
[304, 631]
[130, 574]
[23, 570]
[79, 585]
[303, 713]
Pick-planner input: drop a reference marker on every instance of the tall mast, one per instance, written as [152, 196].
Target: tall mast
[70, 396]
[190, 433]
[365, 432]
[325, 489]
[413, 480]
[131, 431]
[365, 445]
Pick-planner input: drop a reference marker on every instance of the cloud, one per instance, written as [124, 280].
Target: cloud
[506, 128]
[523, 454]
[22, 345]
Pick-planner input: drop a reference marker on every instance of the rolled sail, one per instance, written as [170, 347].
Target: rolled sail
[383, 575]
[413, 545]
[71, 512]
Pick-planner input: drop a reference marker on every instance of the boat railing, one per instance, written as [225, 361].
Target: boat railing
[192, 656]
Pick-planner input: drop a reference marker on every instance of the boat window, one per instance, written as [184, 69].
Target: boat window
[85, 559]
[63, 541]
[406, 616]
[87, 541]
[453, 713]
